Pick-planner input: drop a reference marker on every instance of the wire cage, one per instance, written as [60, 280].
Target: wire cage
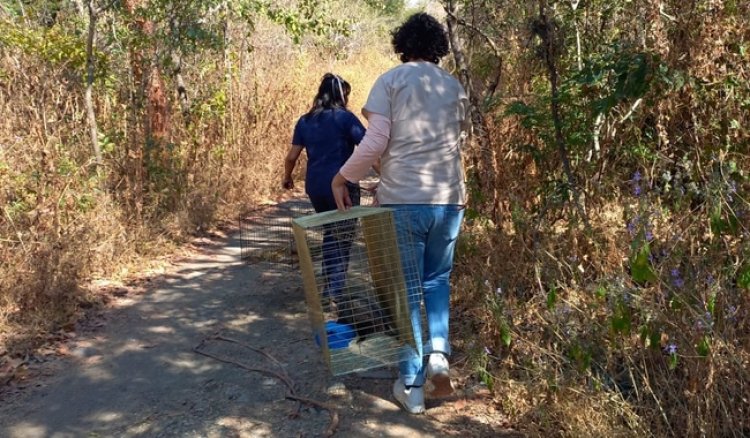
[266, 234]
[358, 278]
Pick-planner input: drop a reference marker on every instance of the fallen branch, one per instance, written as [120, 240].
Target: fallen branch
[280, 375]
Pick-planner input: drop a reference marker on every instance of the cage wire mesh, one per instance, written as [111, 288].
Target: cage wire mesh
[359, 275]
[266, 233]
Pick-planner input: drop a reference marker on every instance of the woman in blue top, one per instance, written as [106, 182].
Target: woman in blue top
[328, 132]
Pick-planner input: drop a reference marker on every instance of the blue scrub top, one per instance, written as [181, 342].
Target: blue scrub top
[329, 138]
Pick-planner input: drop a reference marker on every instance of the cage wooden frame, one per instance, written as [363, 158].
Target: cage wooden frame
[387, 281]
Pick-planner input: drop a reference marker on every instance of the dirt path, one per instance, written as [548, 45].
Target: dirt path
[137, 374]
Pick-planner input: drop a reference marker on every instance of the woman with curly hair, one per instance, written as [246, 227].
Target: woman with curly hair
[417, 114]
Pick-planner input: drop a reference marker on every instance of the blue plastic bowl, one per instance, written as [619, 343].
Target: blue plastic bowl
[339, 335]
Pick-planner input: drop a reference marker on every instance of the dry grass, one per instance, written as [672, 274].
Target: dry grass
[589, 346]
[593, 351]
[63, 223]
[588, 359]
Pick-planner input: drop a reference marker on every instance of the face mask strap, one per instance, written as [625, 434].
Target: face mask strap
[338, 81]
[341, 89]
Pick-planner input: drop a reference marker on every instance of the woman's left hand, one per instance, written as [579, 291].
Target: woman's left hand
[341, 193]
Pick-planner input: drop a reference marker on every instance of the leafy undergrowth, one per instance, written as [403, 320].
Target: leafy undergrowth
[646, 332]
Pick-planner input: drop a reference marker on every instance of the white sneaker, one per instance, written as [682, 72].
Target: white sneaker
[438, 373]
[412, 399]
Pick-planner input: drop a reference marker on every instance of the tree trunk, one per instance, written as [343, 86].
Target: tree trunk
[550, 54]
[579, 52]
[89, 99]
[135, 150]
[80, 7]
[483, 160]
[182, 94]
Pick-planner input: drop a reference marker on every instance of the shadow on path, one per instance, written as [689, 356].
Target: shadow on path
[139, 376]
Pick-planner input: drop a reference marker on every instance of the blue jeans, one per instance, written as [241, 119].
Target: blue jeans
[337, 243]
[427, 240]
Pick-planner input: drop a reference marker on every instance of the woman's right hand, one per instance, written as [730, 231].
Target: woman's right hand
[287, 183]
[341, 193]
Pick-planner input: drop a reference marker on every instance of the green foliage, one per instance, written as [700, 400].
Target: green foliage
[621, 319]
[721, 222]
[309, 17]
[187, 26]
[673, 361]
[505, 334]
[551, 298]
[52, 45]
[704, 346]
[650, 337]
[601, 291]
[530, 116]
[618, 76]
[580, 356]
[671, 271]
[743, 277]
[640, 265]
[386, 7]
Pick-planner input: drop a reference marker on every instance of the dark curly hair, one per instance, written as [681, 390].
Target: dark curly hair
[420, 37]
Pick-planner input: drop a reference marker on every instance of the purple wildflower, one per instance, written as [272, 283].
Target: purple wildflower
[633, 225]
[671, 349]
[706, 323]
[709, 319]
[649, 236]
[677, 280]
[487, 351]
[636, 181]
[710, 280]
[732, 187]
[731, 313]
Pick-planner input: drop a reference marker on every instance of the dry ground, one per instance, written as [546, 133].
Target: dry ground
[131, 369]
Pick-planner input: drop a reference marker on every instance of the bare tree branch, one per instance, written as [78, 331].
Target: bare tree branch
[484, 159]
[88, 97]
[550, 52]
[478, 31]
